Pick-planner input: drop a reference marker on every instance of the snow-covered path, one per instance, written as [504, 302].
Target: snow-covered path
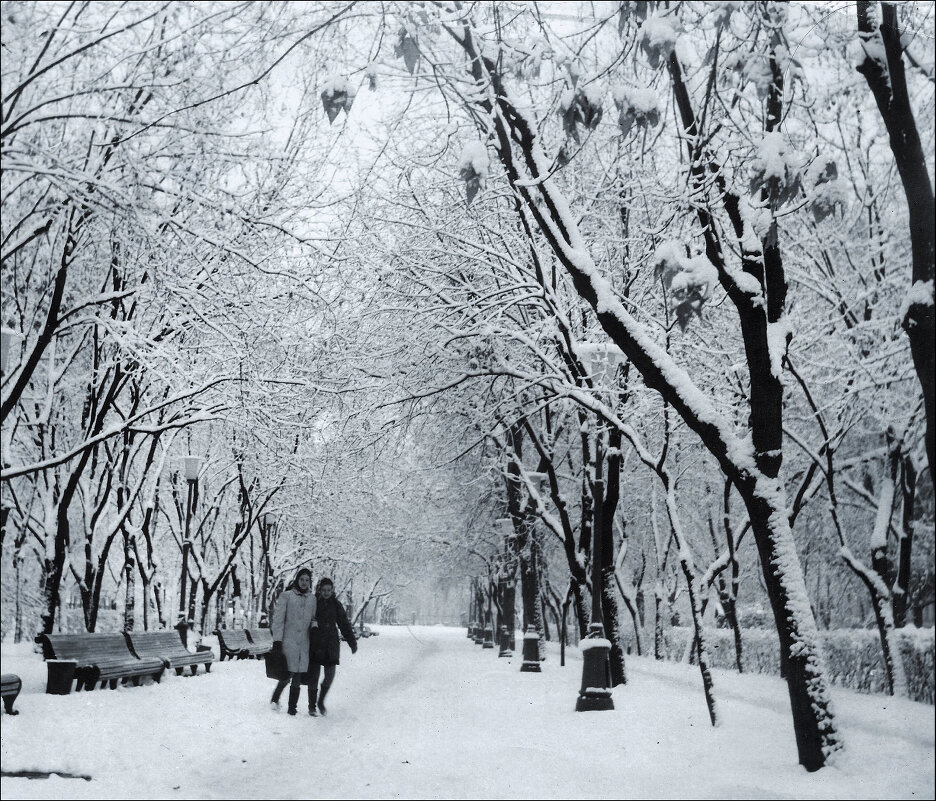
[421, 712]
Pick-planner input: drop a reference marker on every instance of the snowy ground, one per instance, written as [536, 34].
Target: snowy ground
[422, 712]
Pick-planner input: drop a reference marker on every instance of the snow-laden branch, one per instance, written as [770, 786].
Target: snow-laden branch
[131, 422]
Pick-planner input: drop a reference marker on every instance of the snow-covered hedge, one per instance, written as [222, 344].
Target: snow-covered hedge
[853, 656]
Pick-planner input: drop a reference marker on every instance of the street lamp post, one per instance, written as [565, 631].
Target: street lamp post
[266, 530]
[192, 466]
[488, 641]
[479, 612]
[539, 480]
[505, 527]
[471, 609]
[595, 692]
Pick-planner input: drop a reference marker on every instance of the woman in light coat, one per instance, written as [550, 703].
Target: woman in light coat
[293, 616]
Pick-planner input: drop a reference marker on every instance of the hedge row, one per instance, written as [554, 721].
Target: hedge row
[853, 656]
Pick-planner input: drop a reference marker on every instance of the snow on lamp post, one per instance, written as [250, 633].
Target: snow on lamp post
[595, 692]
[192, 464]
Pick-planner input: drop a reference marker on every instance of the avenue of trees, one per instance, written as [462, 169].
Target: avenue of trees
[461, 289]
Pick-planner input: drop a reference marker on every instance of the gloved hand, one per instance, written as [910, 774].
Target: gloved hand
[353, 645]
[277, 646]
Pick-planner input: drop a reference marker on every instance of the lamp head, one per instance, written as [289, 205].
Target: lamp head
[192, 466]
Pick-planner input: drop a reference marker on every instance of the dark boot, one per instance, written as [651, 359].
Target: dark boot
[294, 691]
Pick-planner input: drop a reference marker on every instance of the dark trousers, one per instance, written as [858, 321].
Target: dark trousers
[314, 668]
[295, 687]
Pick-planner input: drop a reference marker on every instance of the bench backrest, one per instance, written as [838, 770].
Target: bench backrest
[260, 636]
[161, 642]
[233, 639]
[85, 647]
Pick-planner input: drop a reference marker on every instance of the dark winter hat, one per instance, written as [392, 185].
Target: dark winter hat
[304, 571]
[324, 581]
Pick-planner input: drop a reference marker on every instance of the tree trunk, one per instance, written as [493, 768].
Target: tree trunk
[18, 600]
[633, 613]
[158, 598]
[699, 641]
[731, 614]
[520, 152]
[905, 548]
[52, 573]
[130, 579]
[510, 613]
[888, 84]
[801, 660]
[221, 606]
[611, 619]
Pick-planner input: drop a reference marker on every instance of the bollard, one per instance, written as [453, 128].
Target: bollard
[595, 693]
[478, 635]
[531, 661]
[488, 637]
[504, 642]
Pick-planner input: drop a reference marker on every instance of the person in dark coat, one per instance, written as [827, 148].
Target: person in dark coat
[325, 646]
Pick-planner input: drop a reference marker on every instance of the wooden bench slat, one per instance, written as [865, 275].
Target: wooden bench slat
[234, 643]
[167, 645]
[260, 639]
[100, 658]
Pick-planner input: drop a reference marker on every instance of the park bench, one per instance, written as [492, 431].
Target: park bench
[234, 644]
[10, 685]
[104, 658]
[167, 646]
[261, 638]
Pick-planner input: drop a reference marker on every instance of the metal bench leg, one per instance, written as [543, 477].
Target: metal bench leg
[194, 669]
[179, 671]
[113, 684]
[8, 704]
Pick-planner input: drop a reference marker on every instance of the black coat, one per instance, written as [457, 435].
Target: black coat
[325, 647]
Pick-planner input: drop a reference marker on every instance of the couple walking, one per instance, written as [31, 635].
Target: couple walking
[305, 628]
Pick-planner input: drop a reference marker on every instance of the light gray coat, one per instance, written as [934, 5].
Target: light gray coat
[293, 615]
